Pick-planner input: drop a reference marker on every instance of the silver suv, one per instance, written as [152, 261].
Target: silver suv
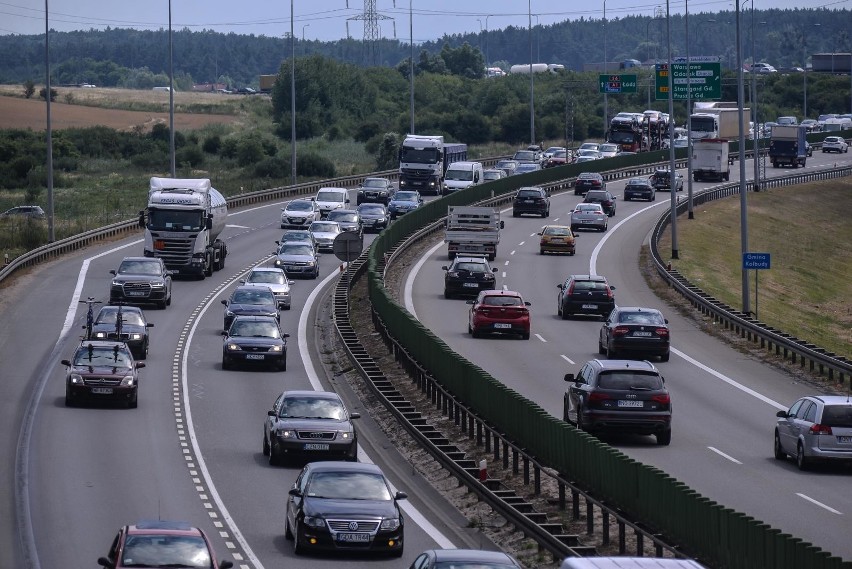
[817, 427]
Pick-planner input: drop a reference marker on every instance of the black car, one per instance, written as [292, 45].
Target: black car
[141, 280]
[375, 190]
[348, 219]
[588, 181]
[464, 559]
[102, 370]
[531, 200]
[621, 396]
[374, 217]
[247, 300]
[661, 180]
[255, 340]
[640, 188]
[466, 276]
[125, 324]
[309, 425]
[344, 506]
[631, 329]
[585, 294]
[603, 197]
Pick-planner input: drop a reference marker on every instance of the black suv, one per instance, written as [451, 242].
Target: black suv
[661, 180]
[141, 280]
[619, 396]
[603, 197]
[588, 181]
[639, 188]
[466, 276]
[124, 323]
[375, 190]
[102, 370]
[585, 294]
[531, 200]
[640, 331]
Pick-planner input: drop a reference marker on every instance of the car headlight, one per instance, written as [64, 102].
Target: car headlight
[276, 349]
[231, 347]
[314, 522]
[100, 335]
[157, 284]
[135, 336]
[127, 381]
[383, 193]
[390, 524]
[311, 263]
[117, 283]
[285, 434]
[228, 313]
[76, 379]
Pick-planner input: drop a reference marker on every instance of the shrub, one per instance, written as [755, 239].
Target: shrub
[272, 167]
[311, 164]
[212, 144]
[152, 159]
[189, 155]
[249, 151]
[366, 131]
[29, 89]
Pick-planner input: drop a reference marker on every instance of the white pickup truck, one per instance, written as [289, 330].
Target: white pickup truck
[472, 230]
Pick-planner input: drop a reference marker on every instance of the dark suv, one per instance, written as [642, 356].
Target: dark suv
[619, 396]
[466, 276]
[588, 181]
[141, 280]
[661, 180]
[102, 370]
[603, 197]
[585, 294]
[531, 200]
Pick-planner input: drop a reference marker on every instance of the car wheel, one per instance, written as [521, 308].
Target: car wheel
[133, 402]
[581, 425]
[515, 214]
[801, 460]
[274, 454]
[69, 399]
[601, 348]
[565, 416]
[169, 299]
[627, 198]
[476, 333]
[287, 533]
[525, 335]
[447, 294]
[265, 445]
[664, 357]
[297, 547]
[779, 451]
[664, 438]
[397, 552]
[546, 214]
[226, 363]
[541, 251]
[565, 314]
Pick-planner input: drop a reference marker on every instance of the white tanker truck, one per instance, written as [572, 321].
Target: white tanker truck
[183, 222]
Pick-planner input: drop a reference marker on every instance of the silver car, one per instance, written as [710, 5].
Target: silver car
[299, 214]
[298, 258]
[815, 428]
[589, 216]
[493, 174]
[275, 279]
[527, 167]
[325, 233]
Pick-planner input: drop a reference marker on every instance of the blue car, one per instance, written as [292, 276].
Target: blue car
[403, 202]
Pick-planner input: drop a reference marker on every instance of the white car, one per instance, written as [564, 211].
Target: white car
[331, 198]
[834, 144]
[325, 232]
[299, 214]
[589, 146]
[273, 278]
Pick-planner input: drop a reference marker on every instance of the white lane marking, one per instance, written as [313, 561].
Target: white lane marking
[540, 338]
[504, 274]
[531, 235]
[818, 503]
[237, 226]
[567, 359]
[723, 455]
[521, 244]
[512, 253]
[505, 287]
[407, 293]
[506, 264]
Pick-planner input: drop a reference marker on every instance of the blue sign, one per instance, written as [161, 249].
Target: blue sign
[756, 260]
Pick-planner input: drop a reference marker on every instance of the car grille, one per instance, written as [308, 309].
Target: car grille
[124, 336]
[371, 526]
[175, 252]
[98, 381]
[133, 287]
[297, 220]
[255, 348]
[317, 435]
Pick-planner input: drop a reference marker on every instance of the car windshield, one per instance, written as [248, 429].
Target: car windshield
[109, 315]
[372, 209]
[254, 329]
[141, 267]
[165, 551]
[560, 154]
[330, 196]
[405, 197]
[102, 356]
[297, 235]
[296, 249]
[609, 148]
[325, 227]
[459, 175]
[252, 296]
[375, 183]
[837, 416]
[557, 231]
[589, 146]
[311, 408]
[491, 175]
[525, 155]
[506, 164]
[589, 285]
[630, 380]
[587, 152]
[500, 300]
[553, 149]
[267, 277]
[347, 486]
[300, 206]
[652, 318]
[471, 267]
[342, 216]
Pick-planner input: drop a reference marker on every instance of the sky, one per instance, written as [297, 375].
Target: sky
[327, 20]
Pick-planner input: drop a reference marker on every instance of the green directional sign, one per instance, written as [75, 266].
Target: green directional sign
[614, 83]
[703, 79]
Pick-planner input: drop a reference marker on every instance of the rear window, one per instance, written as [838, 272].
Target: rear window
[529, 194]
[651, 318]
[589, 285]
[623, 379]
[502, 301]
[837, 416]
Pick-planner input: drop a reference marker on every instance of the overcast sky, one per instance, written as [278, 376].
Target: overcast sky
[327, 19]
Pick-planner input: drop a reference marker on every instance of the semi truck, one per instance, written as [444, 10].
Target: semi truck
[721, 123]
[472, 230]
[788, 146]
[628, 130]
[423, 161]
[183, 221]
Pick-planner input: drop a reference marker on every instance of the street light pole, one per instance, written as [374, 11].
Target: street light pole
[487, 60]
[480, 34]
[743, 200]
[690, 214]
[605, 70]
[171, 99]
[672, 172]
[532, 91]
[411, 61]
[292, 97]
[51, 235]
[537, 39]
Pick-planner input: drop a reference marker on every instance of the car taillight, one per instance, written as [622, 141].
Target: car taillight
[662, 331]
[818, 429]
[598, 396]
[662, 398]
[571, 288]
[596, 183]
[619, 330]
[608, 292]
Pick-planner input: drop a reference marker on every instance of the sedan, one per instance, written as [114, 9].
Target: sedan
[297, 259]
[126, 324]
[817, 428]
[532, 200]
[464, 559]
[499, 311]
[508, 166]
[640, 188]
[273, 278]
[588, 181]
[643, 332]
[344, 506]
[589, 216]
[349, 220]
[403, 202]
[309, 425]
[559, 158]
[587, 154]
[299, 213]
[325, 232]
[834, 144]
[248, 300]
[527, 167]
[491, 174]
[102, 370]
[375, 190]
[556, 239]
[374, 217]
[255, 340]
[610, 150]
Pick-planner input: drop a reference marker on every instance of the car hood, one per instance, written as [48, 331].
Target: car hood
[329, 205]
[373, 216]
[297, 213]
[125, 328]
[348, 225]
[349, 508]
[296, 258]
[313, 424]
[253, 309]
[324, 235]
[400, 203]
[275, 288]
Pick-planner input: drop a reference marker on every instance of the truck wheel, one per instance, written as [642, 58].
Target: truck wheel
[208, 266]
[492, 256]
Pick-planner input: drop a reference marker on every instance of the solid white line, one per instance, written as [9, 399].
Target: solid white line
[820, 504]
[540, 338]
[567, 359]
[723, 455]
[407, 296]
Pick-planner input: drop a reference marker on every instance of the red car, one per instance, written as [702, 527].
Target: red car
[499, 311]
[158, 543]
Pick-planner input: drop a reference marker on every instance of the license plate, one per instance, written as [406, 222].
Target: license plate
[528, 201]
[136, 293]
[316, 446]
[844, 439]
[629, 403]
[255, 356]
[471, 285]
[642, 334]
[502, 325]
[590, 307]
[353, 537]
[556, 240]
[102, 390]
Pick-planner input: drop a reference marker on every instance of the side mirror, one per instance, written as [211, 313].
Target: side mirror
[140, 365]
[285, 335]
[112, 272]
[291, 282]
[569, 377]
[502, 224]
[104, 562]
[354, 415]
[224, 332]
[527, 303]
[226, 564]
[243, 281]
[781, 414]
[225, 302]
[471, 301]
[295, 492]
[149, 324]
[494, 270]
[270, 413]
[400, 495]
[560, 286]
[445, 267]
[66, 362]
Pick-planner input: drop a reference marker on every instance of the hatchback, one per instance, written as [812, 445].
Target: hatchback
[585, 294]
[588, 181]
[297, 258]
[531, 200]
[508, 166]
[632, 329]
[639, 188]
[467, 276]
[589, 216]
[603, 197]
[834, 144]
[619, 396]
[274, 278]
[556, 239]
[299, 213]
[661, 180]
[815, 428]
[499, 311]
[492, 174]
[25, 211]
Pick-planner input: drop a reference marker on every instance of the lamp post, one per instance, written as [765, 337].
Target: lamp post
[487, 60]
[672, 172]
[690, 213]
[532, 91]
[303, 31]
[304, 47]
[411, 60]
[656, 17]
[292, 97]
[171, 98]
[743, 199]
[605, 70]
[51, 235]
[537, 39]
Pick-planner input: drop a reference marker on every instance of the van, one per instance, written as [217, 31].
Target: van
[331, 198]
[462, 175]
[629, 563]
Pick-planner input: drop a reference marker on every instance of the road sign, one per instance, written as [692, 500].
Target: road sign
[617, 83]
[347, 246]
[756, 260]
[704, 80]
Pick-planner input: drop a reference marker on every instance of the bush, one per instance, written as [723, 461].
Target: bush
[228, 148]
[151, 160]
[272, 167]
[189, 155]
[212, 144]
[366, 131]
[311, 164]
[249, 151]
[333, 133]
[386, 158]
[29, 89]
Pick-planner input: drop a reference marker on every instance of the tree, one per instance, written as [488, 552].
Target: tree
[386, 159]
[29, 89]
[43, 91]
